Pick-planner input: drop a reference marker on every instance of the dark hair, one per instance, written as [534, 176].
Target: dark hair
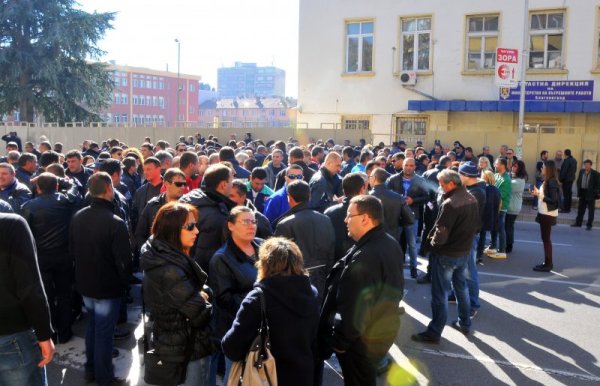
[399, 155]
[240, 186]
[49, 157]
[187, 158]
[449, 175]
[215, 174]
[163, 156]
[236, 211]
[296, 153]
[47, 183]
[56, 169]
[171, 173]
[521, 170]
[445, 160]
[26, 157]
[349, 151]
[588, 161]
[169, 221]
[316, 151]
[115, 149]
[502, 161]
[568, 152]
[279, 256]
[369, 205]
[148, 146]
[129, 162]
[543, 152]
[299, 191]
[74, 154]
[371, 164]
[152, 160]
[98, 182]
[110, 166]
[365, 155]
[259, 173]
[380, 175]
[226, 153]
[352, 183]
[550, 174]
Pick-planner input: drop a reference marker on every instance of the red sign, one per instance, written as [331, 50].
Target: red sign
[507, 67]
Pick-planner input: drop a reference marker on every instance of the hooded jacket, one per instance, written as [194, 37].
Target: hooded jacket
[293, 314]
[172, 284]
[213, 211]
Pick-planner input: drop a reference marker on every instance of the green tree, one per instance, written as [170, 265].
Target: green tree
[46, 48]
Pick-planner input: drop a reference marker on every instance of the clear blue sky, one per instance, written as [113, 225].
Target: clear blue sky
[212, 33]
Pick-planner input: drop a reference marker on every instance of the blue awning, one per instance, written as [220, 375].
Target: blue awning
[505, 106]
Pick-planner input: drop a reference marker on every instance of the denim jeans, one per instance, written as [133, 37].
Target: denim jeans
[99, 337]
[214, 365]
[445, 271]
[472, 275]
[409, 232]
[19, 356]
[500, 232]
[197, 372]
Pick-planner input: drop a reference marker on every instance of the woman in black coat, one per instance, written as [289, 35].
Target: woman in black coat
[292, 311]
[173, 293]
[232, 272]
[547, 196]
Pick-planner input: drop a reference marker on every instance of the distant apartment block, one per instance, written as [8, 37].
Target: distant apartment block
[247, 113]
[146, 97]
[245, 80]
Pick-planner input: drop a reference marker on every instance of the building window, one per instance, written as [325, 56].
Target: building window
[154, 84]
[161, 85]
[154, 101]
[191, 109]
[124, 99]
[124, 118]
[161, 102]
[407, 127]
[117, 98]
[416, 44]
[135, 82]
[148, 84]
[482, 40]
[359, 46]
[142, 100]
[134, 100]
[546, 40]
[191, 87]
[355, 123]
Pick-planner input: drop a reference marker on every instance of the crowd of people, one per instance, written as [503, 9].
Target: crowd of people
[319, 232]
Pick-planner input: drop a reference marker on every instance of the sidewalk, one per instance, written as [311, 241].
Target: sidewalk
[528, 214]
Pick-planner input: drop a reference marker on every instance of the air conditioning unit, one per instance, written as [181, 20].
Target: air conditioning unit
[408, 78]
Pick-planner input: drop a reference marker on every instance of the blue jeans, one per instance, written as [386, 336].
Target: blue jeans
[500, 232]
[197, 372]
[409, 232]
[445, 271]
[472, 275]
[99, 337]
[19, 356]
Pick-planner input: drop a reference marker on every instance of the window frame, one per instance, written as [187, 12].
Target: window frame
[410, 137]
[356, 120]
[360, 37]
[546, 32]
[415, 34]
[483, 35]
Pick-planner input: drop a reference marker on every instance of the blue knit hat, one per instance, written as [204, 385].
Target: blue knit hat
[468, 169]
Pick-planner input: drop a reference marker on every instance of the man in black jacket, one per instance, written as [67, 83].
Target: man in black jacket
[49, 215]
[588, 191]
[397, 216]
[99, 243]
[24, 314]
[311, 230]
[568, 171]
[360, 315]
[326, 184]
[354, 184]
[449, 244]
[296, 157]
[11, 190]
[213, 206]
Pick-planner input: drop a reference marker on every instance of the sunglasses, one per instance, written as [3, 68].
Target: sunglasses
[179, 184]
[295, 176]
[189, 227]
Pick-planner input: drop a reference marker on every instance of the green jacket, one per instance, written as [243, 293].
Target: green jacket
[504, 185]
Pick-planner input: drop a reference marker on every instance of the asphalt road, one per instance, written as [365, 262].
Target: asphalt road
[533, 328]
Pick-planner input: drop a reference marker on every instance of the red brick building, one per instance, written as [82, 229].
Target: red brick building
[145, 97]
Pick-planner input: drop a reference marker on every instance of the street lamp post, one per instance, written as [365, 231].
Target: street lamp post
[178, 75]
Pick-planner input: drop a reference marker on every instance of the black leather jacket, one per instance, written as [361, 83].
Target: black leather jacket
[49, 216]
[172, 284]
[396, 213]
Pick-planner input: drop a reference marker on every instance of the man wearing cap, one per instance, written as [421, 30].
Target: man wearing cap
[449, 244]
[469, 177]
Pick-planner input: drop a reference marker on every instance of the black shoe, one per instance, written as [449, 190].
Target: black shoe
[413, 273]
[425, 279]
[542, 268]
[115, 353]
[479, 261]
[575, 225]
[89, 378]
[564, 211]
[425, 337]
[474, 312]
[588, 228]
[118, 382]
[121, 334]
[64, 338]
[456, 325]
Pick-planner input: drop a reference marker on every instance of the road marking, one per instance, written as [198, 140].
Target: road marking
[539, 242]
[584, 377]
[540, 279]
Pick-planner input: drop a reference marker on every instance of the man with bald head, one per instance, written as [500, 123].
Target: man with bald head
[326, 184]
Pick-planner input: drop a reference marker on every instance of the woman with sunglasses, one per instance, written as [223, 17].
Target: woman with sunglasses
[232, 272]
[173, 293]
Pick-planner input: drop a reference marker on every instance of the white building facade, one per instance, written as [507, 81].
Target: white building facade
[408, 69]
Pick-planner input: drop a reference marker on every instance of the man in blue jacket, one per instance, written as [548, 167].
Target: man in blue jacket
[277, 204]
